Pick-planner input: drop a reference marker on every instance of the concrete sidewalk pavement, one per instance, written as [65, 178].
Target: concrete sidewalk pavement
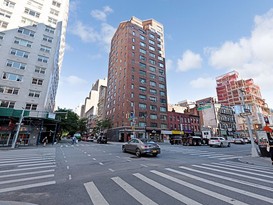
[260, 161]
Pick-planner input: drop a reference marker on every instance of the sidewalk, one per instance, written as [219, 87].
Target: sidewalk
[260, 161]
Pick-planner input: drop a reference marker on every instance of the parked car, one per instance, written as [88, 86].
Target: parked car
[102, 140]
[239, 141]
[175, 139]
[219, 141]
[247, 140]
[139, 147]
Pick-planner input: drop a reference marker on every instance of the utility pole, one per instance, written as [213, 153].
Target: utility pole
[18, 129]
[254, 152]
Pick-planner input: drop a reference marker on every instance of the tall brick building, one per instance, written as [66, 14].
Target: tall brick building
[136, 99]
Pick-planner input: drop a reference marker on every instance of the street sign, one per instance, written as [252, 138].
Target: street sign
[244, 114]
[204, 107]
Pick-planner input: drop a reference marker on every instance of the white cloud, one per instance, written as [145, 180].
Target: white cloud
[73, 81]
[86, 33]
[251, 56]
[169, 64]
[204, 83]
[68, 47]
[189, 61]
[101, 15]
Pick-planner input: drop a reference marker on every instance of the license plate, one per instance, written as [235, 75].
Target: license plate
[154, 151]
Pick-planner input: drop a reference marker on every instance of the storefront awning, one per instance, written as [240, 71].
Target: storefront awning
[166, 132]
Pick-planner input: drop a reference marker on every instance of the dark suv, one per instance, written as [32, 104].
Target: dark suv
[102, 140]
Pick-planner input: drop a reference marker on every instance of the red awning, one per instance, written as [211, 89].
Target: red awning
[268, 128]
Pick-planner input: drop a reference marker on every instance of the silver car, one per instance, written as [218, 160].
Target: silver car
[219, 142]
[139, 147]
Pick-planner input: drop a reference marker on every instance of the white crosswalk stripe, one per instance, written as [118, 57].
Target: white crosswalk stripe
[214, 181]
[24, 169]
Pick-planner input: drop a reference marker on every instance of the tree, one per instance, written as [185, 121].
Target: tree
[82, 125]
[101, 125]
[69, 121]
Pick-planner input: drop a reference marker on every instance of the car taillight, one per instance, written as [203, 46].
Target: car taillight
[218, 140]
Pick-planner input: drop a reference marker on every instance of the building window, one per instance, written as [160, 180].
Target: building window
[56, 3]
[151, 68]
[142, 37]
[35, 4]
[163, 126]
[26, 32]
[153, 107]
[19, 53]
[161, 65]
[27, 21]
[30, 106]
[161, 59]
[152, 61]
[34, 94]
[163, 109]
[43, 59]
[142, 58]
[141, 88]
[142, 106]
[32, 12]
[47, 39]
[9, 3]
[152, 83]
[142, 73]
[7, 104]
[153, 116]
[142, 44]
[142, 51]
[153, 99]
[49, 29]
[161, 79]
[152, 76]
[153, 124]
[11, 77]
[161, 86]
[142, 81]
[37, 81]
[54, 12]
[151, 36]
[45, 49]
[15, 64]
[22, 42]
[153, 91]
[163, 117]
[161, 72]
[5, 13]
[151, 42]
[52, 20]
[142, 65]
[142, 97]
[152, 55]
[3, 24]
[151, 48]
[40, 70]
[9, 90]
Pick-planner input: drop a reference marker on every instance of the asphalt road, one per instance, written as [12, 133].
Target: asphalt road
[91, 173]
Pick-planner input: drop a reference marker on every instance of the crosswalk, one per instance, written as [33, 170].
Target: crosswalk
[23, 169]
[223, 182]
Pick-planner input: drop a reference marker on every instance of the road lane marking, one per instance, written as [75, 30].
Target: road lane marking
[18, 163]
[94, 159]
[29, 165]
[94, 194]
[143, 165]
[167, 190]
[67, 167]
[199, 189]
[223, 186]
[101, 163]
[69, 177]
[16, 188]
[118, 156]
[26, 179]
[88, 155]
[141, 198]
[27, 173]
[24, 169]
[111, 170]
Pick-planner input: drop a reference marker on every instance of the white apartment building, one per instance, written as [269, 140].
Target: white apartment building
[32, 43]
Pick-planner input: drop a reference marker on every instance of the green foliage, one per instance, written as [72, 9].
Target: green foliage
[102, 125]
[70, 122]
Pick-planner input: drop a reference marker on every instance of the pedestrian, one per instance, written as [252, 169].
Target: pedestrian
[45, 140]
[270, 145]
[73, 140]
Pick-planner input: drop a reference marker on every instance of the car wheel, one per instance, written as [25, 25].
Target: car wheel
[154, 155]
[138, 153]
[221, 145]
[228, 144]
[210, 145]
[194, 143]
[123, 149]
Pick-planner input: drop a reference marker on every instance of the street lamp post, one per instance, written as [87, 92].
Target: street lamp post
[254, 152]
[18, 129]
[133, 117]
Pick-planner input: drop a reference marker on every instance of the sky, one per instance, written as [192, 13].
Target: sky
[203, 40]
